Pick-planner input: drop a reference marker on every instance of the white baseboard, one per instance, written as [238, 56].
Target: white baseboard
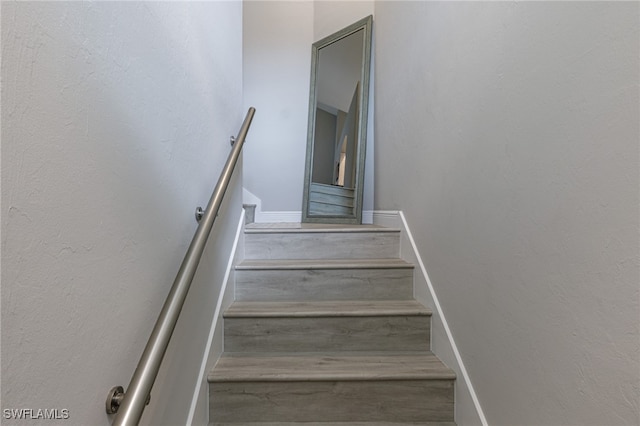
[296, 216]
[409, 252]
[217, 315]
[387, 218]
[276, 217]
[284, 216]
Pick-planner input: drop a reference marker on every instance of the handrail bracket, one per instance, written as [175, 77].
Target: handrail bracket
[114, 398]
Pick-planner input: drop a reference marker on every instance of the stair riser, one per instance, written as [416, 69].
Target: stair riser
[385, 333]
[393, 401]
[330, 245]
[324, 284]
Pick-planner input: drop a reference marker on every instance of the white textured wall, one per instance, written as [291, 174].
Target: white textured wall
[330, 16]
[508, 134]
[115, 126]
[277, 37]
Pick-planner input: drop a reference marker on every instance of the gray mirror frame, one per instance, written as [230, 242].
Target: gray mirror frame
[356, 218]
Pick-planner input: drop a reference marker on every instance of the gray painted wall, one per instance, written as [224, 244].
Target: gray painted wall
[115, 126]
[277, 61]
[508, 134]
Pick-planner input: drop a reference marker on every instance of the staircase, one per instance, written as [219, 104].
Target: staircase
[324, 330]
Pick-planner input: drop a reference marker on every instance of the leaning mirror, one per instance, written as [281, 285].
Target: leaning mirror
[337, 131]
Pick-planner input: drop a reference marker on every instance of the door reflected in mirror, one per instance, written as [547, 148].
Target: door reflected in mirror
[336, 139]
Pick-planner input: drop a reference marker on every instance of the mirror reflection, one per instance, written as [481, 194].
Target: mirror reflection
[337, 126]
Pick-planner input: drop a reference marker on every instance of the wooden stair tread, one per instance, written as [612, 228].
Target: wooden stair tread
[330, 366]
[323, 264]
[335, 424]
[343, 308]
[271, 228]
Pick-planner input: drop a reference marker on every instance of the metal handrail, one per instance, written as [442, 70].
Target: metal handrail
[129, 405]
